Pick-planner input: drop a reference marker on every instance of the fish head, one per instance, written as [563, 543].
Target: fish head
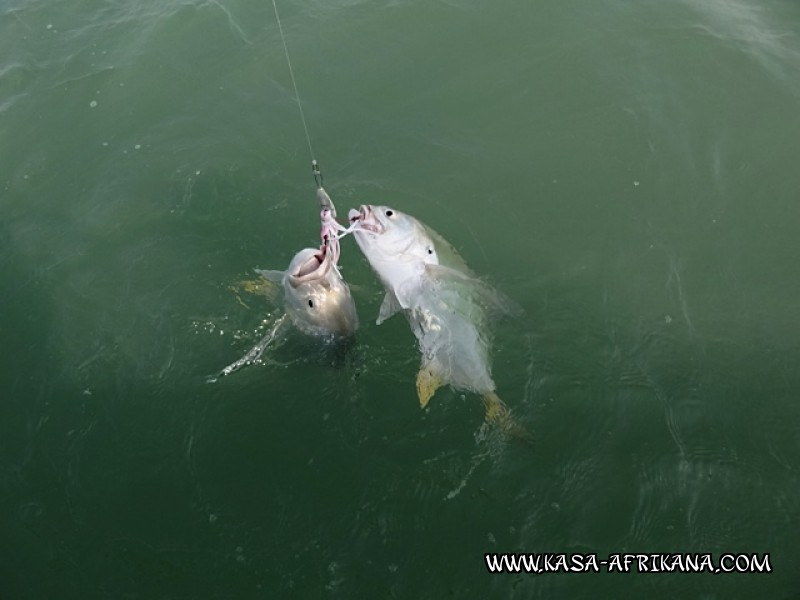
[317, 298]
[396, 245]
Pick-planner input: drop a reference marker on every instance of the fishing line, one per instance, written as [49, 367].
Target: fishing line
[314, 166]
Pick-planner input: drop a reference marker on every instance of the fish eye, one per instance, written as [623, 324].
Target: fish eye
[389, 212]
[311, 304]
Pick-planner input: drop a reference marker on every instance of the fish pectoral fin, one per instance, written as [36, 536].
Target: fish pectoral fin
[265, 287]
[427, 384]
[494, 301]
[499, 415]
[389, 307]
[253, 286]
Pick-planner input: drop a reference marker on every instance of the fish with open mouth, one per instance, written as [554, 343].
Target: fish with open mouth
[316, 297]
[447, 307]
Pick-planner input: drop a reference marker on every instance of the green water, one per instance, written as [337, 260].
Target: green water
[626, 172]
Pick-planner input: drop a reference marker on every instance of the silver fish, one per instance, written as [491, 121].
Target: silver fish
[317, 302]
[317, 299]
[447, 307]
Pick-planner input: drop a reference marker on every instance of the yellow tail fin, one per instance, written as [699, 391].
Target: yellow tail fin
[499, 415]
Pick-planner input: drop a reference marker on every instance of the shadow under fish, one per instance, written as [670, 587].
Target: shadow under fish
[447, 307]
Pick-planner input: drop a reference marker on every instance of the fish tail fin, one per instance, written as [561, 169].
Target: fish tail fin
[499, 415]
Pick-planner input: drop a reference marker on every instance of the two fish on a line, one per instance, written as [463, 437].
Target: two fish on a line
[447, 307]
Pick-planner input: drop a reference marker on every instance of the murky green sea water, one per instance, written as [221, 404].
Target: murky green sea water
[627, 172]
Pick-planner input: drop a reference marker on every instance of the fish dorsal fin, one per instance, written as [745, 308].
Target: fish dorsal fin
[276, 276]
[427, 384]
[389, 307]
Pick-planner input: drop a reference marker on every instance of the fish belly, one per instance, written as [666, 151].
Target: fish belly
[453, 349]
